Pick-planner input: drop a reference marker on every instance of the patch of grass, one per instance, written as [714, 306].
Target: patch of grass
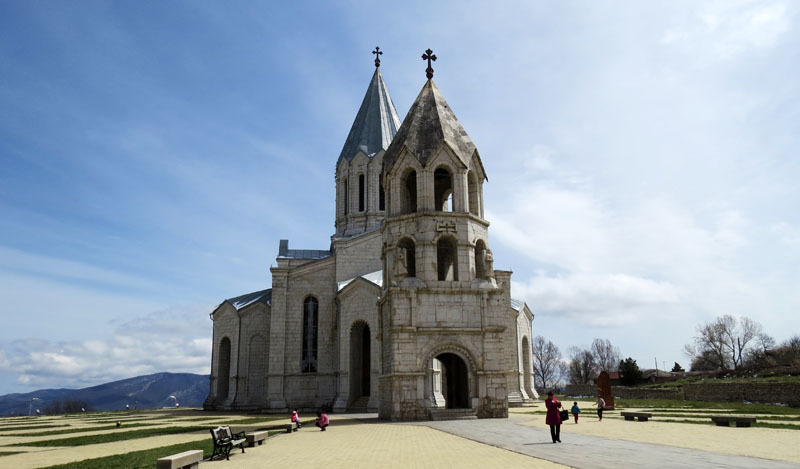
[84, 429]
[10, 428]
[145, 458]
[139, 459]
[110, 437]
[734, 407]
[9, 453]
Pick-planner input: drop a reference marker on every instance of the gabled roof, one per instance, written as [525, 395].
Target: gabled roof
[517, 305]
[372, 277]
[240, 302]
[429, 123]
[376, 122]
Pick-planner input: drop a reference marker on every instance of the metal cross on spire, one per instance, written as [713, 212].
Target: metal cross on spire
[428, 55]
[378, 54]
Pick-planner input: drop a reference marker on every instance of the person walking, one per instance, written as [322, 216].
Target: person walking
[575, 411]
[553, 418]
[601, 403]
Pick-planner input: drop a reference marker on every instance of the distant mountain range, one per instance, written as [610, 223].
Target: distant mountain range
[142, 392]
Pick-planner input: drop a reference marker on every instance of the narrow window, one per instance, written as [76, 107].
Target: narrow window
[446, 261]
[411, 256]
[410, 199]
[361, 193]
[443, 190]
[310, 309]
[480, 264]
[346, 198]
[381, 194]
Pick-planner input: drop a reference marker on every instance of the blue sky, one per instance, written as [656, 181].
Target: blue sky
[641, 157]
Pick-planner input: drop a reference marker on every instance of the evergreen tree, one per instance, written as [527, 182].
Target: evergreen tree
[629, 371]
[677, 368]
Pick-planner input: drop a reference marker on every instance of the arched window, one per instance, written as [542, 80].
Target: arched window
[310, 313]
[381, 194]
[223, 369]
[443, 190]
[410, 192]
[411, 256]
[480, 266]
[346, 197]
[474, 194]
[446, 259]
[361, 194]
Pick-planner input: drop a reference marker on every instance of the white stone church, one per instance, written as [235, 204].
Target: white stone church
[405, 313]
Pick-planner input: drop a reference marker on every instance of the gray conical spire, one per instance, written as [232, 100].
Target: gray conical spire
[375, 124]
[429, 123]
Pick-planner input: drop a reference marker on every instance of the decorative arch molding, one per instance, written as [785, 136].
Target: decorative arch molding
[455, 349]
[359, 323]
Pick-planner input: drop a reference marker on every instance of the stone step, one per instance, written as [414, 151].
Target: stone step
[359, 405]
[453, 414]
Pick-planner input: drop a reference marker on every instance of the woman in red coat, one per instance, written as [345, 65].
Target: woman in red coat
[553, 418]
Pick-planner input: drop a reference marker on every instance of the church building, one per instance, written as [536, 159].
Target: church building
[404, 313]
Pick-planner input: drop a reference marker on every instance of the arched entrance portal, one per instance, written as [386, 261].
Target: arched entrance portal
[360, 361]
[455, 381]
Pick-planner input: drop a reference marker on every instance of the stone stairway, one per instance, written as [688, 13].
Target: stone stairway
[359, 405]
[453, 414]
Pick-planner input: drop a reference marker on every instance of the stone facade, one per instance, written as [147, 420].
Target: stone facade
[405, 313]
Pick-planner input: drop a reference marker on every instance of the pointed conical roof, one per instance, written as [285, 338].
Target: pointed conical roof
[375, 124]
[429, 123]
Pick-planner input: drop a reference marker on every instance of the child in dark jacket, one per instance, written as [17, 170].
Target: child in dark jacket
[575, 411]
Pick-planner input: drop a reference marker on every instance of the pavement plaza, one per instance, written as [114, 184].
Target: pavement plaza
[522, 440]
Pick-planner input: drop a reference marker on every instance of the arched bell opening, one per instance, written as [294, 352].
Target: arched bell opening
[409, 193]
[446, 259]
[443, 190]
[480, 263]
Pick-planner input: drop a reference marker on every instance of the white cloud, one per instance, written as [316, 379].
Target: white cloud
[725, 29]
[173, 340]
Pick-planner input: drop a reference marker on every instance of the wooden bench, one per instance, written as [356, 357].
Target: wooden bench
[725, 421]
[256, 438]
[641, 416]
[224, 441]
[187, 459]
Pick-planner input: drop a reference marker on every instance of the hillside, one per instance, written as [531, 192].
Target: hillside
[144, 392]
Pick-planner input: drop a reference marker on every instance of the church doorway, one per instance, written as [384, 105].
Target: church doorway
[360, 363]
[455, 381]
[223, 369]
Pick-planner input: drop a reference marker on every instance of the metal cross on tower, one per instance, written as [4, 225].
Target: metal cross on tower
[428, 55]
[378, 54]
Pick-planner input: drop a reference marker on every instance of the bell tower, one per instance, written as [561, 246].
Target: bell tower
[443, 307]
[360, 193]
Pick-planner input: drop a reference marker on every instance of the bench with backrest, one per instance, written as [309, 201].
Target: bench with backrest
[256, 438]
[726, 420]
[641, 416]
[187, 459]
[224, 441]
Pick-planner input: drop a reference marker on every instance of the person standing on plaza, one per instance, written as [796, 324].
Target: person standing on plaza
[601, 403]
[553, 418]
[575, 411]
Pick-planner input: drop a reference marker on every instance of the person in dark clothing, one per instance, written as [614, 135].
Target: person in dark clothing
[553, 418]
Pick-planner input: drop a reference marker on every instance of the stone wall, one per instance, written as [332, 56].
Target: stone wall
[788, 393]
[623, 392]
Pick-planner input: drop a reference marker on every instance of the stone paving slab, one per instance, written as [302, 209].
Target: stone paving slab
[352, 444]
[588, 451]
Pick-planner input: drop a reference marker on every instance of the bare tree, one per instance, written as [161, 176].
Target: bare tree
[605, 355]
[723, 343]
[582, 367]
[546, 362]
